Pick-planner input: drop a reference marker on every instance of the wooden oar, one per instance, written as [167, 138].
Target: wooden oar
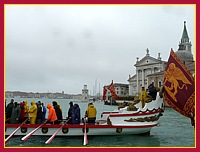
[9, 137]
[52, 137]
[85, 140]
[32, 132]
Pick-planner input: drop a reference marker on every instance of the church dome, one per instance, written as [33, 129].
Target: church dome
[185, 56]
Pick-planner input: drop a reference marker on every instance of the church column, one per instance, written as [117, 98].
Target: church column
[137, 89]
[142, 77]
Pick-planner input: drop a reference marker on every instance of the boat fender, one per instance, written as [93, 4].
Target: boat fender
[65, 130]
[87, 130]
[118, 130]
[44, 130]
[23, 130]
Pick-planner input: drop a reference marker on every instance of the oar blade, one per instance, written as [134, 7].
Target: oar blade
[13, 133]
[9, 137]
[85, 142]
[52, 137]
[32, 132]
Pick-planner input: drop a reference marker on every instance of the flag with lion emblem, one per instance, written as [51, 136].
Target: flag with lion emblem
[179, 87]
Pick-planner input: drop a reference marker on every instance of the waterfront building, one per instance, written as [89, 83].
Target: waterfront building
[120, 89]
[85, 95]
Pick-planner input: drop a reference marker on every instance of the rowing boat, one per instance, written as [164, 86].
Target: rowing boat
[122, 121]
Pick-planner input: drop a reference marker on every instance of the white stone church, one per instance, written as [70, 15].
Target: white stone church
[150, 69]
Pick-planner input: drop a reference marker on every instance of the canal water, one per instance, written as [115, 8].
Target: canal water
[174, 130]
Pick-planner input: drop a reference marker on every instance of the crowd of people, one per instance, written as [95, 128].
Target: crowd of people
[38, 113]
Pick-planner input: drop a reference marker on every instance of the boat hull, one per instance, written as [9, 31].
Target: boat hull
[78, 130]
[124, 121]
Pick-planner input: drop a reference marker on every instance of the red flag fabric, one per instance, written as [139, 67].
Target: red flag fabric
[104, 93]
[179, 86]
[112, 91]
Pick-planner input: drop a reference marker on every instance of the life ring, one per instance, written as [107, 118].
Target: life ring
[118, 130]
[44, 130]
[87, 130]
[23, 130]
[65, 130]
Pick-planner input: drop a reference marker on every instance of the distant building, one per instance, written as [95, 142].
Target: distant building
[85, 95]
[120, 90]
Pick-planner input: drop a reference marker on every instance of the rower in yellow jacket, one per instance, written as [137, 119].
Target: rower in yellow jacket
[33, 112]
[143, 95]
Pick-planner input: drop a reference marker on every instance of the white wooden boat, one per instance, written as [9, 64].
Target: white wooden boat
[117, 122]
[122, 121]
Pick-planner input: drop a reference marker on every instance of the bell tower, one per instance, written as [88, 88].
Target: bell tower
[184, 50]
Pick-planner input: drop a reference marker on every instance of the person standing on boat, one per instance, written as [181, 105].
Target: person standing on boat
[143, 95]
[22, 112]
[44, 110]
[33, 112]
[91, 113]
[39, 113]
[51, 115]
[152, 91]
[15, 116]
[69, 118]
[9, 108]
[76, 114]
[60, 107]
[26, 107]
[58, 112]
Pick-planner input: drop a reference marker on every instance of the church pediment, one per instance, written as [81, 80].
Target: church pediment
[147, 60]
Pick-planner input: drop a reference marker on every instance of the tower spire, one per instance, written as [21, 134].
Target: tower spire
[185, 34]
[184, 50]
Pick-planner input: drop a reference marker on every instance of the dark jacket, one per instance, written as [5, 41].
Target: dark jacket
[9, 110]
[152, 91]
[15, 114]
[70, 113]
[58, 111]
[76, 115]
[39, 112]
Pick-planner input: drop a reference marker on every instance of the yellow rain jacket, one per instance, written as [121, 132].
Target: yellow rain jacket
[91, 111]
[143, 95]
[26, 107]
[33, 112]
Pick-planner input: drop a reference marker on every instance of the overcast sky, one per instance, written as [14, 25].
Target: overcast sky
[62, 47]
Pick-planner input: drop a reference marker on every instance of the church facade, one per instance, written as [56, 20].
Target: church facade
[150, 69]
[148, 65]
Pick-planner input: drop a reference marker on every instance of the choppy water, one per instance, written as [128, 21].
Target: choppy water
[174, 130]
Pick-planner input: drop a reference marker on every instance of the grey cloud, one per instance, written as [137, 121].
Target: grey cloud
[64, 47]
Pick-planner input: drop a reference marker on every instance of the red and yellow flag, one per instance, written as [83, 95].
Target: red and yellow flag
[112, 91]
[179, 87]
[104, 93]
